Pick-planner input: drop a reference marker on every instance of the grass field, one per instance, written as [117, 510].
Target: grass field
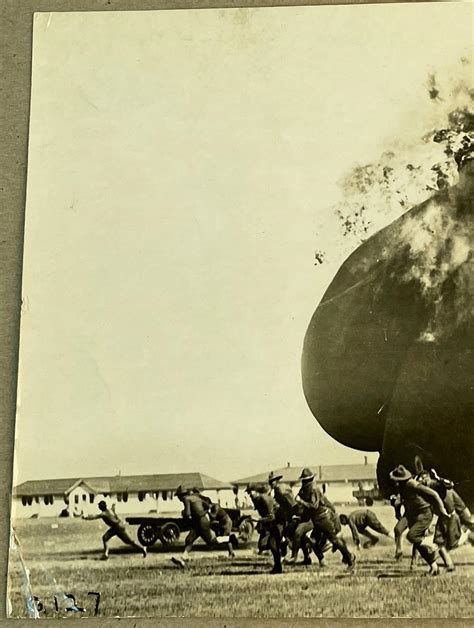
[66, 559]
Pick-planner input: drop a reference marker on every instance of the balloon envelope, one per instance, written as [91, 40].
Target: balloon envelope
[387, 357]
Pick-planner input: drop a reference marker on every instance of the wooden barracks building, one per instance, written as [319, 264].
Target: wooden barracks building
[142, 494]
[132, 494]
[342, 483]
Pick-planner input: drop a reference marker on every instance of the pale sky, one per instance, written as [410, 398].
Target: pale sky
[182, 165]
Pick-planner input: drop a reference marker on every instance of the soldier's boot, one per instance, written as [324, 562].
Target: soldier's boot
[446, 558]
[429, 555]
[275, 550]
[434, 569]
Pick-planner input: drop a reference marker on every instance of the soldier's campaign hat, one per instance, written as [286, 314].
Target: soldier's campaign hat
[180, 491]
[400, 474]
[273, 478]
[306, 475]
[251, 487]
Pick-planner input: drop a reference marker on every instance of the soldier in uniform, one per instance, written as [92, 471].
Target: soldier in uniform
[298, 529]
[307, 538]
[269, 528]
[400, 526]
[196, 508]
[116, 528]
[283, 495]
[312, 498]
[448, 532]
[419, 502]
[319, 540]
[358, 522]
[222, 525]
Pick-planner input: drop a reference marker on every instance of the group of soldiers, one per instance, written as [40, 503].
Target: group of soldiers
[421, 496]
[309, 521]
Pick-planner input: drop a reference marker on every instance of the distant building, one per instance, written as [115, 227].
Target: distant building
[132, 494]
[339, 481]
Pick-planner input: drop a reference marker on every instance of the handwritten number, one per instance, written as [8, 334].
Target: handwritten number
[97, 601]
[39, 604]
[74, 608]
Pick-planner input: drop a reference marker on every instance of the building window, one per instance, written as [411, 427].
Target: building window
[48, 500]
[141, 496]
[91, 498]
[164, 495]
[37, 499]
[84, 497]
[76, 499]
[24, 501]
[125, 497]
[119, 497]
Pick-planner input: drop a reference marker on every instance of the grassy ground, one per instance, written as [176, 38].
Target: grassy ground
[66, 559]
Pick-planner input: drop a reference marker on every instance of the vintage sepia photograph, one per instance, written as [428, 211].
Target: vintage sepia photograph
[245, 373]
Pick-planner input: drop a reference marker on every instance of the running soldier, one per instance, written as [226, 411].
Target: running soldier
[358, 522]
[269, 529]
[221, 523]
[400, 527]
[196, 509]
[117, 527]
[283, 495]
[319, 540]
[419, 502]
[311, 497]
[307, 538]
[448, 532]
[299, 528]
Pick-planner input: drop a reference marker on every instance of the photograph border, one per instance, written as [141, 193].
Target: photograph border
[16, 35]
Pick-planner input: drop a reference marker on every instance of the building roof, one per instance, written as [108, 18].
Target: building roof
[120, 484]
[322, 473]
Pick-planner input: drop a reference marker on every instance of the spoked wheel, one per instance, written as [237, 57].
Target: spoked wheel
[147, 534]
[245, 530]
[169, 533]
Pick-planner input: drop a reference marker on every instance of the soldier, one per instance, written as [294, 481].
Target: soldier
[268, 527]
[311, 497]
[196, 508]
[400, 526]
[116, 528]
[222, 524]
[308, 538]
[298, 529]
[319, 540]
[448, 532]
[358, 522]
[418, 501]
[283, 495]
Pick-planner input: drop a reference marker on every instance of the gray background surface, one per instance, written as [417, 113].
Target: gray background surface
[16, 36]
